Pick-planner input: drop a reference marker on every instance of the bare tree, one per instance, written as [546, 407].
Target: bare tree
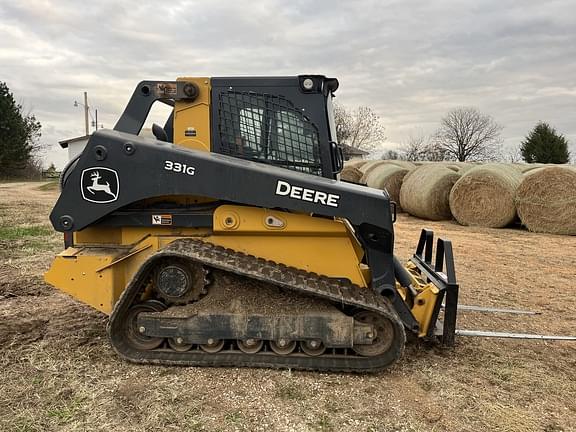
[392, 155]
[360, 128]
[418, 147]
[467, 134]
[513, 155]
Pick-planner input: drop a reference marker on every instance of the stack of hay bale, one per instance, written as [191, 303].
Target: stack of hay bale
[542, 197]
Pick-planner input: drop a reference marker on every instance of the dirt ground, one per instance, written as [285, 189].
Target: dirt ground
[59, 373]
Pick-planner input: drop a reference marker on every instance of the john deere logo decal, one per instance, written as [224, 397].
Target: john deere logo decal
[99, 185]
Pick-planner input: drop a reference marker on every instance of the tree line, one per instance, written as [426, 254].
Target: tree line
[19, 138]
[464, 134]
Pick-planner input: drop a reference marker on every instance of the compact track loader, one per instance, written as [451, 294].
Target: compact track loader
[229, 241]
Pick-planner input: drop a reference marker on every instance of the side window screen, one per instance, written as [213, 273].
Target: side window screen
[268, 129]
[251, 128]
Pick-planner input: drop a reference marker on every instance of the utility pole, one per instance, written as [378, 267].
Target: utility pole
[86, 112]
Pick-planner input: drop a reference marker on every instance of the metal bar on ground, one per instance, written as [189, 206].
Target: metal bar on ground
[496, 310]
[481, 333]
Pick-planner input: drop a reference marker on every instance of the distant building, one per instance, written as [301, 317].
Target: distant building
[353, 152]
[74, 145]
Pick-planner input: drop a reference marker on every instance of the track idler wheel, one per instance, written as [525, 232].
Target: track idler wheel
[134, 334]
[383, 337]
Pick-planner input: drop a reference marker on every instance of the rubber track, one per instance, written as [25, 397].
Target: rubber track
[343, 294]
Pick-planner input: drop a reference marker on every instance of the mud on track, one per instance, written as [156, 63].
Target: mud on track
[58, 372]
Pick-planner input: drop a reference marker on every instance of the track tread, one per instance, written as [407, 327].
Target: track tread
[344, 294]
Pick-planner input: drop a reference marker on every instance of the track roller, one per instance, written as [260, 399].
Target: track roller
[177, 344]
[250, 346]
[313, 347]
[213, 346]
[283, 346]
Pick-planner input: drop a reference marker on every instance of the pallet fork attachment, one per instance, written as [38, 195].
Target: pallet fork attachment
[442, 274]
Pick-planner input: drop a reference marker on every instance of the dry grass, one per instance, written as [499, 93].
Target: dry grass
[58, 372]
[52, 185]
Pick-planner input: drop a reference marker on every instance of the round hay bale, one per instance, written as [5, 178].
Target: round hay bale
[453, 167]
[464, 167]
[355, 163]
[401, 163]
[368, 168]
[351, 174]
[546, 200]
[370, 165]
[484, 196]
[528, 167]
[389, 177]
[425, 192]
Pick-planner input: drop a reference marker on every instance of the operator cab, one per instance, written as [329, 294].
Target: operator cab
[287, 122]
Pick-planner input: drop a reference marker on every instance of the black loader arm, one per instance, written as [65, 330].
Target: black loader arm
[117, 169]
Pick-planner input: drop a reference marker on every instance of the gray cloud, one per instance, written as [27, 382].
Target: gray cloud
[409, 60]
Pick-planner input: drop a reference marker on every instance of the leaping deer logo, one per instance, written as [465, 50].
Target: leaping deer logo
[95, 177]
[100, 185]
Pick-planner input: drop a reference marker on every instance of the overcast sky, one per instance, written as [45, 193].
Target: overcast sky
[411, 61]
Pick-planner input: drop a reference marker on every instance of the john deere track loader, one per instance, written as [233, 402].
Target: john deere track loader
[229, 241]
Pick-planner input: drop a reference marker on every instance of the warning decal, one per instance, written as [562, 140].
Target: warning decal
[162, 219]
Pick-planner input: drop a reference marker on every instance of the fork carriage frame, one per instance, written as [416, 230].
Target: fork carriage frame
[441, 273]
